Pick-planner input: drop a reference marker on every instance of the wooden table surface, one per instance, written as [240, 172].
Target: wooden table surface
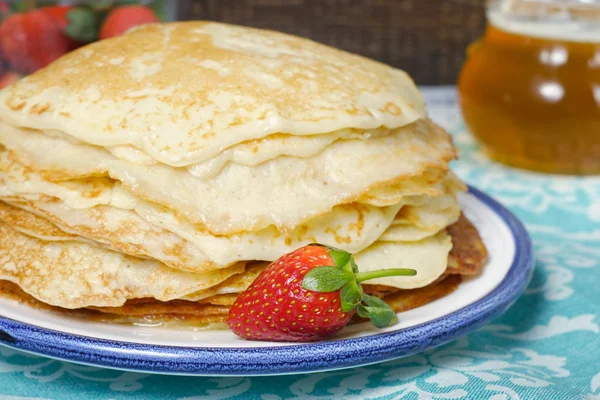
[426, 38]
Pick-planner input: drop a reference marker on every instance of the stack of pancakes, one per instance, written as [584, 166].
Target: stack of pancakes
[152, 176]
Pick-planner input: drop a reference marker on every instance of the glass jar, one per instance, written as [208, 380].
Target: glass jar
[530, 88]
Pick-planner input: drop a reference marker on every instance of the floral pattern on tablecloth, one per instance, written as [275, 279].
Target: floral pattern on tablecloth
[547, 346]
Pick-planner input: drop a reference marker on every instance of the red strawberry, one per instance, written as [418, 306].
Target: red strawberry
[32, 40]
[123, 18]
[9, 78]
[307, 295]
[59, 14]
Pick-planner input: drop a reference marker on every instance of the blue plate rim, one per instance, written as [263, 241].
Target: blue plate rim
[304, 358]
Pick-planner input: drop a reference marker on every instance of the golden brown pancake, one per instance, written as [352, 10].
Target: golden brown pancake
[467, 259]
[468, 254]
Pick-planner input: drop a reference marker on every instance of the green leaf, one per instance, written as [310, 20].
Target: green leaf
[380, 313]
[373, 301]
[326, 279]
[351, 296]
[381, 310]
[84, 24]
[339, 257]
[362, 312]
[381, 317]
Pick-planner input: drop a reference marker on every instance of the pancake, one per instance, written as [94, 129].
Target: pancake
[208, 307]
[32, 225]
[424, 216]
[233, 285]
[429, 257]
[106, 227]
[234, 201]
[196, 315]
[254, 152]
[183, 92]
[468, 254]
[404, 300]
[466, 258]
[151, 231]
[100, 277]
[220, 299]
[71, 274]
[202, 318]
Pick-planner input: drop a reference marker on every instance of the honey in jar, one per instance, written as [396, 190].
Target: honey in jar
[530, 89]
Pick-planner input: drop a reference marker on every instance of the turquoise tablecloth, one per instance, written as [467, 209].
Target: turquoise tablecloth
[546, 347]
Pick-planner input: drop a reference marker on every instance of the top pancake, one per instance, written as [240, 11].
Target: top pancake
[183, 92]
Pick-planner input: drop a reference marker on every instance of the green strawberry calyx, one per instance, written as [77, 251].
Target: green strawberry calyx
[83, 24]
[344, 276]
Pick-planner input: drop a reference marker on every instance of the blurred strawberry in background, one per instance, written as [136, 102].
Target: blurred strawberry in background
[34, 34]
[34, 39]
[122, 18]
[59, 14]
